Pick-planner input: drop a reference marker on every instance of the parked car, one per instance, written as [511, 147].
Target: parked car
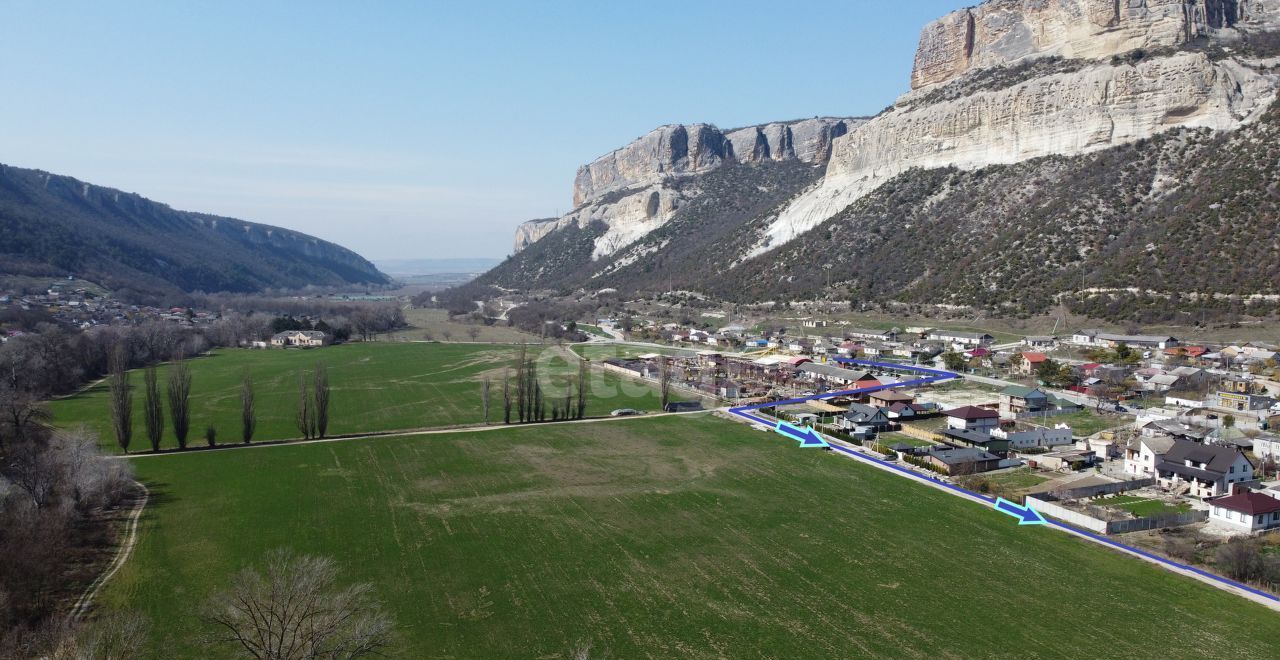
[625, 412]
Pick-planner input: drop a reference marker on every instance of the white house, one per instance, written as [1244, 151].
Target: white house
[1246, 512]
[299, 338]
[1142, 454]
[1036, 437]
[958, 338]
[1267, 446]
[1110, 340]
[1202, 470]
[972, 418]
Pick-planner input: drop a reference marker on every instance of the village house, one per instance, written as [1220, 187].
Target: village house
[1039, 436]
[1102, 339]
[1267, 446]
[1245, 511]
[1141, 454]
[961, 339]
[876, 335]
[302, 338]
[1031, 362]
[1202, 470]
[860, 416]
[1041, 342]
[972, 418]
[887, 398]
[962, 460]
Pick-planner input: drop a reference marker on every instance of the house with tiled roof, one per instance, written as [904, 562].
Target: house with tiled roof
[1245, 511]
[972, 418]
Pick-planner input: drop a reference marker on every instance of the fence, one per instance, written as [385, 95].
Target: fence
[921, 434]
[1102, 489]
[1044, 413]
[1046, 506]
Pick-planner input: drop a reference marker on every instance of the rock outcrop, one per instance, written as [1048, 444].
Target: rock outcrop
[1065, 114]
[1002, 31]
[630, 190]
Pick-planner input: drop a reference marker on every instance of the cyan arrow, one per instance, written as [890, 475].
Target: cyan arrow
[1025, 514]
[807, 436]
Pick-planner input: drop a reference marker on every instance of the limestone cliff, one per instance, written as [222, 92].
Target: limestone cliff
[1003, 31]
[1069, 113]
[631, 190]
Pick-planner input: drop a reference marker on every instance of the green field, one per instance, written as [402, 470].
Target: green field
[687, 537]
[603, 351]
[434, 324]
[594, 330]
[377, 386]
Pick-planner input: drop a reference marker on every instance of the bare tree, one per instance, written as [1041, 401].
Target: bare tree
[21, 413]
[321, 414]
[521, 393]
[152, 408]
[180, 400]
[582, 389]
[304, 418]
[506, 396]
[248, 415]
[473, 332]
[484, 398]
[121, 398]
[664, 381]
[294, 609]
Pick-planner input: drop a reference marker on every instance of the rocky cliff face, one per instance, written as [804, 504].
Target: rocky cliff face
[630, 189]
[1002, 31]
[1067, 114]
[1006, 82]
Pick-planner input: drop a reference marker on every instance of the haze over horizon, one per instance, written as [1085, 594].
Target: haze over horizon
[413, 133]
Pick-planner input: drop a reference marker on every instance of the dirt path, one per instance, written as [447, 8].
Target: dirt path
[402, 434]
[85, 601]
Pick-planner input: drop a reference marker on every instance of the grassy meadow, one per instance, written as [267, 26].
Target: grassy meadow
[688, 537]
[379, 386]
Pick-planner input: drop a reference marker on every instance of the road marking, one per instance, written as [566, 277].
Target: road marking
[1225, 584]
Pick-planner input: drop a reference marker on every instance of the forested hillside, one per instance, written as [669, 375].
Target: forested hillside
[57, 225]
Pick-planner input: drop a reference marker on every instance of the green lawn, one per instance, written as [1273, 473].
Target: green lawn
[1021, 478]
[594, 330]
[1142, 506]
[686, 537]
[895, 437]
[603, 351]
[1083, 422]
[378, 386]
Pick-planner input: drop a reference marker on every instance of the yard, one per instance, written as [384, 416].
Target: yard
[1142, 507]
[893, 437]
[618, 350]
[378, 386]
[1084, 422]
[1019, 479]
[687, 537]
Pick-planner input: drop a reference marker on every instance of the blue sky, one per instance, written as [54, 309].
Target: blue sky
[415, 129]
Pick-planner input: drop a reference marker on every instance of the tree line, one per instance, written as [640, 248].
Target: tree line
[524, 399]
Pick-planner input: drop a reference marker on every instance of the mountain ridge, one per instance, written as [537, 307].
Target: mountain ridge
[1035, 83]
[57, 225]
